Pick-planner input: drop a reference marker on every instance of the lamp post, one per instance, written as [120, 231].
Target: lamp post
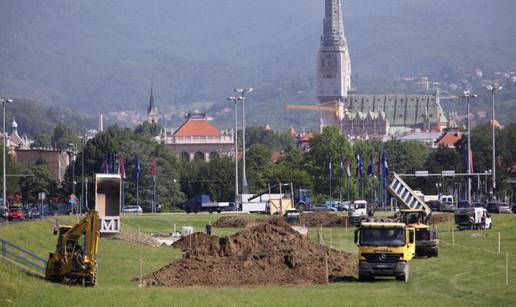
[493, 88]
[73, 150]
[468, 95]
[243, 92]
[4, 102]
[235, 139]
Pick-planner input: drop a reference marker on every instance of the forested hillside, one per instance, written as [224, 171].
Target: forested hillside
[101, 55]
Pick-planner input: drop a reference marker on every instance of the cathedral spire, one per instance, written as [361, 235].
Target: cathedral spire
[152, 100]
[333, 33]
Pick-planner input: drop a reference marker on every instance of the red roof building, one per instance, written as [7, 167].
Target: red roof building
[197, 138]
[450, 139]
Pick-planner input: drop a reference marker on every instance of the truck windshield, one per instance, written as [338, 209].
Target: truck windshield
[382, 237]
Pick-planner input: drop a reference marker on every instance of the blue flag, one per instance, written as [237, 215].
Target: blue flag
[385, 166]
[137, 170]
[341, 165]
[360, 166]
[370, 167]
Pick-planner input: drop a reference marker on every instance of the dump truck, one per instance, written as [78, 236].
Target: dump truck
[416, 213]
[384, 249]
[75, 259]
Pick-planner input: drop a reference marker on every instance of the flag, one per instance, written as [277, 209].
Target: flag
[137, 170]
[370, 167]
[385, 166]
[341, 166]
[330, 168]
[153, 168]
[379, 169]
[348, 168]
[111, 164]
[360, 166]
[121, 167]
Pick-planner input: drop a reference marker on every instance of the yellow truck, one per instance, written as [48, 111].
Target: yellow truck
[385, 249]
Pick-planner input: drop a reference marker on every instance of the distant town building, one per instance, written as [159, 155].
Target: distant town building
[56, 160]
[449, 139]
[370, 124]
[428, 138]
[197, 138]
[14, 140]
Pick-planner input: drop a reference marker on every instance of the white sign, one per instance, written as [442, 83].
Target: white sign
[421, 173]
[448, 173]
[110, 224]
[41, 196]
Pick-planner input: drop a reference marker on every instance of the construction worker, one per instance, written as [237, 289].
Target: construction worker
[208, 228]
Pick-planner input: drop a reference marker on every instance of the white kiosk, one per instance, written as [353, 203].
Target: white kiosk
[108, 202]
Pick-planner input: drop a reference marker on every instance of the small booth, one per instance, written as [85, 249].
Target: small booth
[108, 202]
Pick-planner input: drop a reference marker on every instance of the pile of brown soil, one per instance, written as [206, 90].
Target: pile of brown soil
[261, 255]
[441, 217]
[314, 219]
[231, 222]
[133, 237]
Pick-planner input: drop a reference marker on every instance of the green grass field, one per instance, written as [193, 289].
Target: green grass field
[471, 272]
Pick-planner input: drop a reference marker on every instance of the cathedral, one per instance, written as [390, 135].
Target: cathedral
[365, 115]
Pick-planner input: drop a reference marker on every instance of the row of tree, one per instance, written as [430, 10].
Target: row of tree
[179, 180]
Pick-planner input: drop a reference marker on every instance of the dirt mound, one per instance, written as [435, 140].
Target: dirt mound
[231, 222]
[261, 255]
[314, 219]
[437, 218]
[134, 237]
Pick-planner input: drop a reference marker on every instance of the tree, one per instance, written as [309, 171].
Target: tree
[326, 148]
[273, 140]
[63, 136]
[258, 160]
[38, 178]
[150, 129]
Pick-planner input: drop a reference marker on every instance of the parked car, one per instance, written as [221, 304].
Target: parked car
[133, 209]
[344, 206]
[4, 213]
[514, 208]
[16, 214]
[28, 213]
[333, 204]
[36, 214]
[494, 207]
[447, 207]
[321, 207]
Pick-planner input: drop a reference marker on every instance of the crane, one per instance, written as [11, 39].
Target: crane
[335, 106]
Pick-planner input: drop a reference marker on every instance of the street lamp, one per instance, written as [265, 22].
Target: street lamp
[4, 101]
[493, 88]
[235, 139]
[243, 92]
[468, 95]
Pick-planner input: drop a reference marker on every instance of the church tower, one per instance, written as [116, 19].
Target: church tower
[152, 109]
[333, 63]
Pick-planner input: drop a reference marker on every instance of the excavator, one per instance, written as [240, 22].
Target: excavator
[75, 259]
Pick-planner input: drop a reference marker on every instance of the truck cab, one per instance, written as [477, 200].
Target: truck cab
[427, 238]
[358, 212]
[303, 199]
[385, 249]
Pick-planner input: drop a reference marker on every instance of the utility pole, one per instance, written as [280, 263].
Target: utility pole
[4, 101]
[493, 88]
[235, 100]
[243, 92]
[468, 95]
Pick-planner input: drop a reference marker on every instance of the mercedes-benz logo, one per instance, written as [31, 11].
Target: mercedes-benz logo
[382, 257]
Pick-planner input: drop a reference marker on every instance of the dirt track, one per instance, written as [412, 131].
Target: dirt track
[263, 254]
[309, 219]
